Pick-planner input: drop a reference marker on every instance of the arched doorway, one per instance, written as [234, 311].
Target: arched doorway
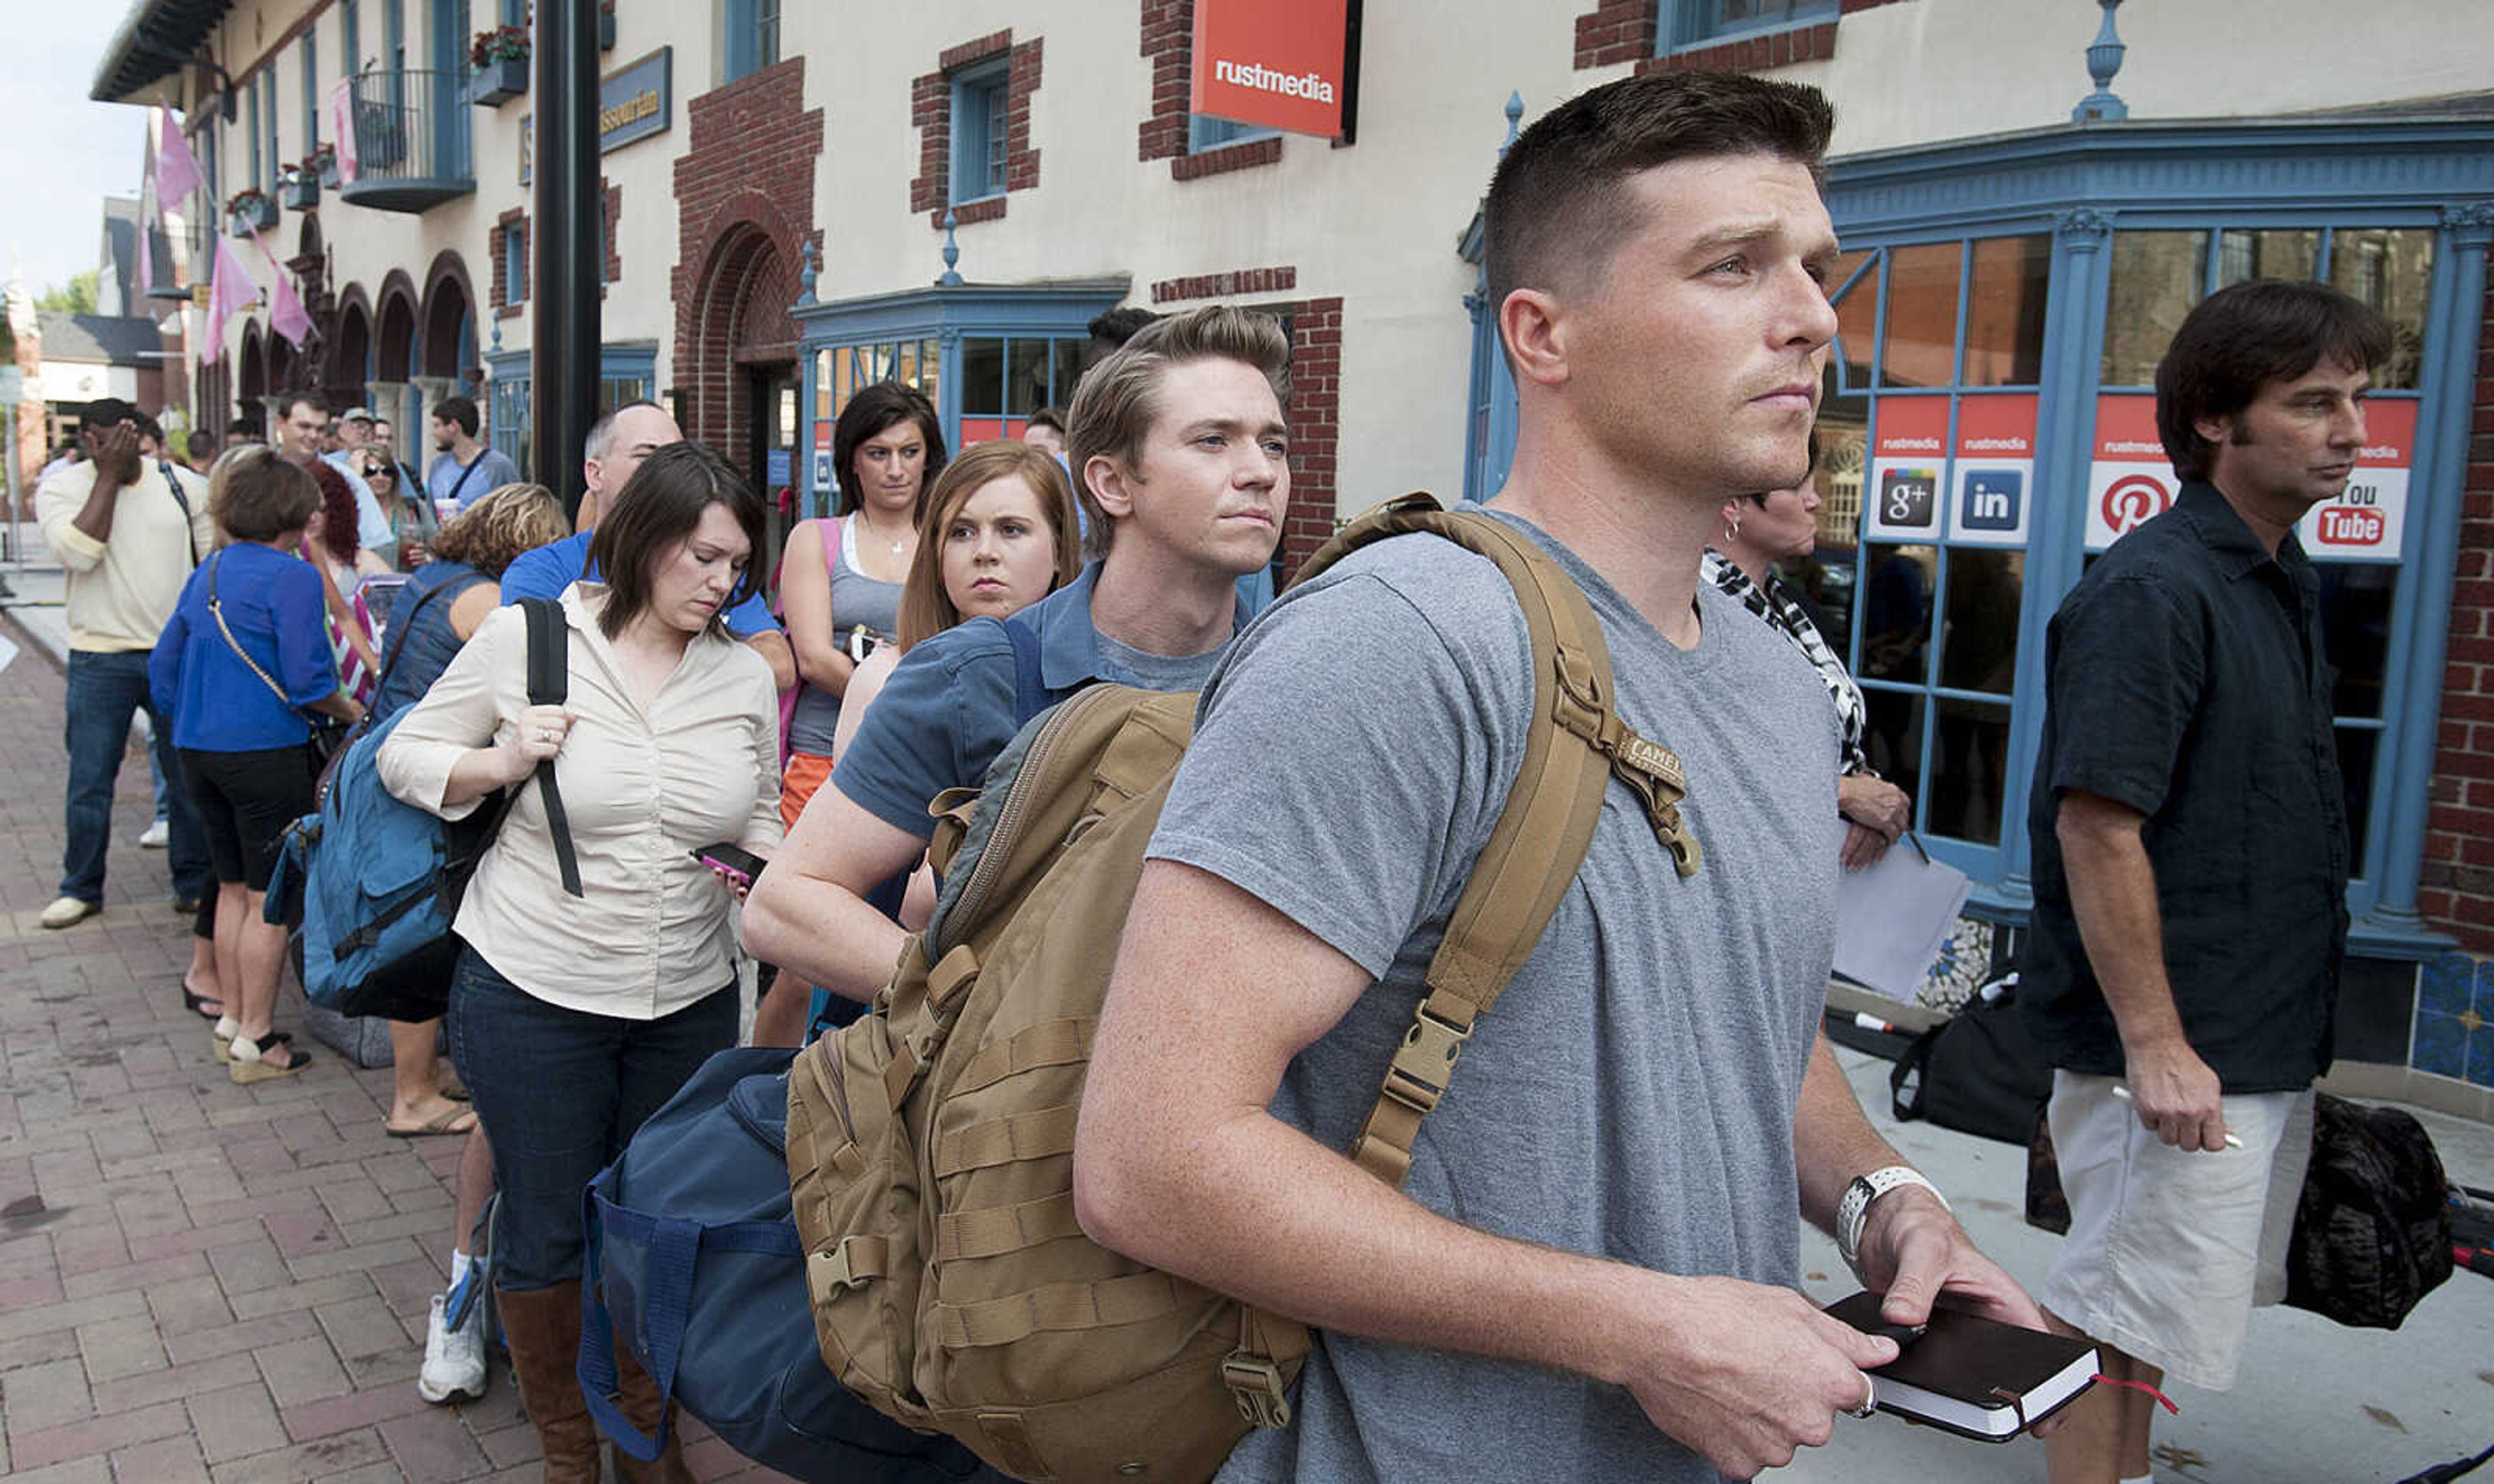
[251, 380]
[280, 364]
[394, 346]
[446, 350]
[739, 352]
[350, 359]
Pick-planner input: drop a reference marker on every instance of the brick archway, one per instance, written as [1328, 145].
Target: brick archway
[744, 191]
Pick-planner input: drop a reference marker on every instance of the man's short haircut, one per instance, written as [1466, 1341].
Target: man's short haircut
[245, 428]
[200, 445]
[656, 511]
[149, 427]
[1113, 328]
[602, 433]
[288, 402]
[1114, 406]
[255, 494]
[491, 533]
[1556, 215]
[2243, 337]
[457, 410]
[1048, 418]
[104, 413]
[873, 409]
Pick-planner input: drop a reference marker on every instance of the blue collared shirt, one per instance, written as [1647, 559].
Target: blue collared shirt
[556, 565]
[949, 707]
[272, 602]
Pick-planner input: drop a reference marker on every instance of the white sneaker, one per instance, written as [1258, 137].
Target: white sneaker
[156, 835]
[67, 911]
[454, 1359]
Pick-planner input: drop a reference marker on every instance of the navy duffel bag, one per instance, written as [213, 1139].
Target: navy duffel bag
[693, 1258]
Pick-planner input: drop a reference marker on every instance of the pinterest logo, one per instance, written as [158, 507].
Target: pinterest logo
[2133, 500]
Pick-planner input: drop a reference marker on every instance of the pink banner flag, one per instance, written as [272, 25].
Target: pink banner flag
[177, 174]
[147, 213]
[342, 128]
[230, 291]
[286, 313]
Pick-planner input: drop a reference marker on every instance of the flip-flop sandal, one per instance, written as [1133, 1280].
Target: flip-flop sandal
[454, 1089]
[197, 1005]
[440, 1122]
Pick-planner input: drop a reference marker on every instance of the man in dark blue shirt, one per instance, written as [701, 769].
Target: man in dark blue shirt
[1182, 466]
[2190, 839]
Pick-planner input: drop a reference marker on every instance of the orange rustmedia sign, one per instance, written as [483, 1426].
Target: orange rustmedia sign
[1278, 63]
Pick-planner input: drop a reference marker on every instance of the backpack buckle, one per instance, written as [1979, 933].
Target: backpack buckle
[856, 1262]
[1425, 1062]
[1255, 1384]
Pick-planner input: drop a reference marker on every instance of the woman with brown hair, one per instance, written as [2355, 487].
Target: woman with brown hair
[575, 1014]
[1000, 533]
[239, 666]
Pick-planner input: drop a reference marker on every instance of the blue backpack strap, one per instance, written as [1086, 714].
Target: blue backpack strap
[1030, 690]
[549, 684]
[674, 1249]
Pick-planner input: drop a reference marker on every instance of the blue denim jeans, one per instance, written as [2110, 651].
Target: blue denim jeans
[561, 1092]
[105, 693]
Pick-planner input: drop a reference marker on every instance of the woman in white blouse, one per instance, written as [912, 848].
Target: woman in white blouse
[573, 1018]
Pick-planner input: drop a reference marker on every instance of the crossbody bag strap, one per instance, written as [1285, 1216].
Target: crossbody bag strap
[217, 611]
[1577, 744]
[189, 536]
[550, 684]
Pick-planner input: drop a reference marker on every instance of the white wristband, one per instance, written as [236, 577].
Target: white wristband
[1855, 1207]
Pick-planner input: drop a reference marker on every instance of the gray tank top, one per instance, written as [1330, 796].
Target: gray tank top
[857, 600]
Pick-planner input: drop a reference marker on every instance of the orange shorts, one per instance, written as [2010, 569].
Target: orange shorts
[806, 773]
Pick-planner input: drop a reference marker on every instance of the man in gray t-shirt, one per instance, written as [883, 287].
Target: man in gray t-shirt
[1588, 1273]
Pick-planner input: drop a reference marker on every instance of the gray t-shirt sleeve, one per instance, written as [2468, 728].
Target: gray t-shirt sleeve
[1352, 753]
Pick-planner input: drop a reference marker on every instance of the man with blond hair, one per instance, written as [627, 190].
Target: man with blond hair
[1181, 464]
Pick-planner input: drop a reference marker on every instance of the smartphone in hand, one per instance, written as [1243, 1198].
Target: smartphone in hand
[740, 864]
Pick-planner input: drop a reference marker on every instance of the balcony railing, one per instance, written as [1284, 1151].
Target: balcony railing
[411, 140]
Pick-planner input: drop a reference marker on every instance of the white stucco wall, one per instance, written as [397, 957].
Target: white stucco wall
[1376, 223]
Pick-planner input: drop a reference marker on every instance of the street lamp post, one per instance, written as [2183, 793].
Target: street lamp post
[565, 244]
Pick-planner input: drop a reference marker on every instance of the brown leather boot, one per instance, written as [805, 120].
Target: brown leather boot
[542, 1327]
[639, 1399]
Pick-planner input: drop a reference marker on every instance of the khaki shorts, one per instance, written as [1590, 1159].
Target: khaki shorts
[2168, 1250]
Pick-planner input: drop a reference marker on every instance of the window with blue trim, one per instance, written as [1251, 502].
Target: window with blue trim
[977, 130]
[516, 264]
[1204, 131]
[311, 95]
[1680, 24]
[350, 38]
[752, 37]
[251, 131]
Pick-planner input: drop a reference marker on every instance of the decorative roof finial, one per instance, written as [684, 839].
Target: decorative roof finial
[497, 335]
[2104, 60]
[1514, 121]
[952, 253]
[805, 273]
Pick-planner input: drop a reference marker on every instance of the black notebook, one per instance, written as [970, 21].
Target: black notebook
[1975, 1376]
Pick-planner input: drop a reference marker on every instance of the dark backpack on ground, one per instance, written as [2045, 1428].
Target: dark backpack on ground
[691, 1252]
[1976, 1072]
[371, 917]
[2372, 1231]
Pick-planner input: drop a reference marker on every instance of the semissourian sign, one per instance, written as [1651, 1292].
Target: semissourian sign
[637, 100]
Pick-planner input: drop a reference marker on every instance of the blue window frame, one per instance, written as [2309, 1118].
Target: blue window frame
[751, 37]
[311, 95]
[627, 370]
[251, 131]
[268, 122]
[1204, 131]
[516, 264]
[980, 97]
[2057, 265]
[987, 354]
[350, 38]
[1680, 24]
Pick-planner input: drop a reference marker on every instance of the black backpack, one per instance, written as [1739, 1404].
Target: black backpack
[1976, 1072]
[2372, 1231]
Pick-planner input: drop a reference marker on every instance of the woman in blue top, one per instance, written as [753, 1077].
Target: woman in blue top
[244, 657]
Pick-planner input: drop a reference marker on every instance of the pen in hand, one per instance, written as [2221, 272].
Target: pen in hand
[2123, 1093]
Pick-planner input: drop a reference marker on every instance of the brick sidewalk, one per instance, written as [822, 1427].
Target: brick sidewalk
[200, 1280]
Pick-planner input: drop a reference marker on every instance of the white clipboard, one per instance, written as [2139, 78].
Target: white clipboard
[1892, 916]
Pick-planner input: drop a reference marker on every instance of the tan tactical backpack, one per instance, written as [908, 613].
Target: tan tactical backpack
[929, 1144]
